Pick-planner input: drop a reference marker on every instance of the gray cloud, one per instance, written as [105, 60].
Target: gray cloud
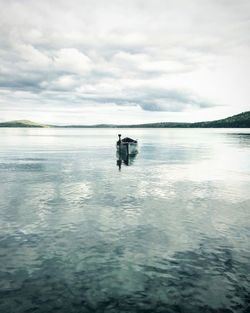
[60, 52]
[152, 99]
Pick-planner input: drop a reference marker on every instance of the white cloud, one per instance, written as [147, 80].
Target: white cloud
[73, 61]
[33, 57]
[64, 83]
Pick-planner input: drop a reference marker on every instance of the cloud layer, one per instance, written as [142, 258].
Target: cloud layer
[155, 56]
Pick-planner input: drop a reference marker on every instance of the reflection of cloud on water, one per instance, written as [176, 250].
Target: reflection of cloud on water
[22, 167]
[158, 188]
[75, 192]
[45, 204]
[126, 275]
[169, 232]
[175, 153]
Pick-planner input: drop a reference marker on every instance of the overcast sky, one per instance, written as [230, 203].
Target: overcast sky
[133, 61]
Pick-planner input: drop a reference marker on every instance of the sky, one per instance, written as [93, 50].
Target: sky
[124, 62]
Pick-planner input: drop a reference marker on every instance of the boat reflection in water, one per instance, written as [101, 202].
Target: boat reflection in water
[124, 158]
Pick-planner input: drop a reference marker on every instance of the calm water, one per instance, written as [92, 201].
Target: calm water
[169, 233]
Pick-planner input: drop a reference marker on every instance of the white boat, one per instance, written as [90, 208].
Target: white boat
[127, 145]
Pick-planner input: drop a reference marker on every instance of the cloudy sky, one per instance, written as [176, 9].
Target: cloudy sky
[116, 61]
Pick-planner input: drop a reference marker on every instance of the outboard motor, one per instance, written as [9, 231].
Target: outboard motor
[119, 141]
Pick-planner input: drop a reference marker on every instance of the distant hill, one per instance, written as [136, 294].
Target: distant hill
[241, 120]
[22, 123]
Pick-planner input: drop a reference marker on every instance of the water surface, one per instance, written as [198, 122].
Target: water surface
[168, 233]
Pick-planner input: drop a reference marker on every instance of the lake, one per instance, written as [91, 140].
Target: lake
[168, 231]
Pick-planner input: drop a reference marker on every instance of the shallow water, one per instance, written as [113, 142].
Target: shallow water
[168, 233]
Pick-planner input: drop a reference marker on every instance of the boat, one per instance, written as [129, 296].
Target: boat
[127, 145]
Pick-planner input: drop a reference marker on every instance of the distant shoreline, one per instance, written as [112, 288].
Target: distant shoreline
[241, 120]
